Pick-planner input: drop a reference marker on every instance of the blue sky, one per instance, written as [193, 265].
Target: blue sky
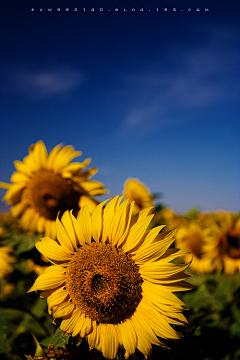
[150, 95]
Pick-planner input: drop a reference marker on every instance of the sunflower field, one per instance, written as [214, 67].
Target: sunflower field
[123, 278]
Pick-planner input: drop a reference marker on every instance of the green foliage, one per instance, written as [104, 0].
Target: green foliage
[191, 214]
[21, 242]
[59, 338]
[26, 328]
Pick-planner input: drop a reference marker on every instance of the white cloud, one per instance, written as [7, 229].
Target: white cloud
[203, 77]
[45, 82]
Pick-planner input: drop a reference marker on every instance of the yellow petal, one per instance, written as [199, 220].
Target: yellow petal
[128, 336]
[40, 224]
[68, 225]
[172, 254]
[144, 330]
[48, 281]
[91, 186]
[23, 168]
[27, 218]
[47, 230]
[159, 271]
[179, 286]
[63, 309]
[78, 231]
[52, 155]
[175, 318]
[99, 330]
[143, 345]
[151, 236]
[62, 234]
[14, 192]
[97, 221]
[93, 338]
[50, 249]
[119, 223]
[58, 297]
[64, 157]
[17, 209]
[85, 221]
[19, 177]
[68, 325]
[109, 341]
[86, 328]
[108, 215]
[87, 200]
[40, 154]
[5, 185]
[136, 233]
[153, 252]
[75, 167]
[140, 215]
[158, 294]
[156, 321]
[78, 324]
[53, 230]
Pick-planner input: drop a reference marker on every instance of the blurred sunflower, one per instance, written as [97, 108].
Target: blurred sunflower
[112, 281]
[45, 184]
[170, 218]
[30, 265]
[5, 261]
[6, 290]
[3, 232]
[168, 214]
[134, 190]
[207, 219]
[223, 248]
[192, 238]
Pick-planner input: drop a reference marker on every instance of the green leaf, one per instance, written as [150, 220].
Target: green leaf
[4, 346]
[39, 350]
[191, 214]
[58, 339]
[21, 242]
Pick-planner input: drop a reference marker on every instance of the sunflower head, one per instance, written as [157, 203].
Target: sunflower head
[192, 237]
[136, 191]
[6, 261]
[30, 265]
[223, 248]
[6, 291]
[112, 280]
[44, 185]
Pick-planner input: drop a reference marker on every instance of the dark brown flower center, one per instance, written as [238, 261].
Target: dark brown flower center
[193, 243]
[230, 243]
[138, 203]
[104, 282]
[48, 193]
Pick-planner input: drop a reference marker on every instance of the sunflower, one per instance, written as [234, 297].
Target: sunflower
[134, 190]
[192, 238]
[5, 261]
[223, 248]
[6, 290]
[111, 279]
[170, 218]
[45, 184]
[31, 266]
[3, 232]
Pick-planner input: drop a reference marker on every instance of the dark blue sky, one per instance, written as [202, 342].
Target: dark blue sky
[146, 94]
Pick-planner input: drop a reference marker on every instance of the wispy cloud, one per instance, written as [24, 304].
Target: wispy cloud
[201, 78]
[43, 82]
